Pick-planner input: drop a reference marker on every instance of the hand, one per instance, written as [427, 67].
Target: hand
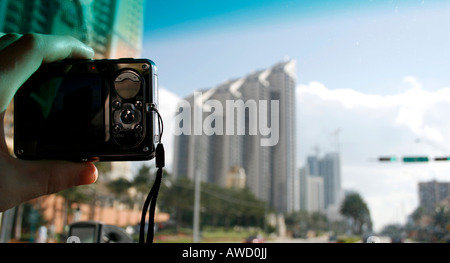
[20, 180]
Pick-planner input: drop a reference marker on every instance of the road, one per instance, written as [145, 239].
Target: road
[321, 239]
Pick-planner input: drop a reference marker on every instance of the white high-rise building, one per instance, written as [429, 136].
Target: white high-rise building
[312, 194]
[269, 169]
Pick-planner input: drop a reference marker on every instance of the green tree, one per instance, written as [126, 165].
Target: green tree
[143, 179]
[32, 217]
[120, 188]
[177, 198]
[300, 222]
[297, 223]
[417, 214]
[355, 208]
[80, 194]
[441, 218]
[219, 206]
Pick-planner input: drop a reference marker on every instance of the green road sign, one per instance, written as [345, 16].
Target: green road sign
[415, 159]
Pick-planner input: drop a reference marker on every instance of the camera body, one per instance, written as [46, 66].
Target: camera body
[88, 110]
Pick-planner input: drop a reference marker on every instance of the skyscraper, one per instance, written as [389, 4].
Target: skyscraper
[269, 169]
[41, 16]
[113, 28]
[311, 193]
[328, 168]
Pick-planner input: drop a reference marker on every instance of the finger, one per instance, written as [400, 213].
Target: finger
[3, 145]
[26, 180]
[8, 39]
[23, 57]
[48, 177]
[61, 47]
[28, 52]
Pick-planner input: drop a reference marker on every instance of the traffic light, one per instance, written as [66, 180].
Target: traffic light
[442, 158]
[417, 159]
[387, 159]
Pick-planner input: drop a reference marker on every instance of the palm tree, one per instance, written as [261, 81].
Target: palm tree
[71, 196]
[355, 208]
[120, 188]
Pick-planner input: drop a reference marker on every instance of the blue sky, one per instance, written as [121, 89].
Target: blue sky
[175, 16]
[364, 45]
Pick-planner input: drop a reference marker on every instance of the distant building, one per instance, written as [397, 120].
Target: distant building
[120, 170]
[328, 167]
[431, 193]
[312, 195]
[330, 170]
[115, 27]
[235, 178]
[269, 169]
[313, 165]
[322, 174]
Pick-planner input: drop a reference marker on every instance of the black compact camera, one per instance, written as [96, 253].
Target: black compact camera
[88, 110]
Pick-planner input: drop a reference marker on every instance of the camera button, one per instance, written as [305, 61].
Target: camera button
[117, 104]
[117, 128]
[138, 104]
[127, 116]
[138, 128]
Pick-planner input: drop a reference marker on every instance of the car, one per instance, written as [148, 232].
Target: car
[254, 239]
[397, 239]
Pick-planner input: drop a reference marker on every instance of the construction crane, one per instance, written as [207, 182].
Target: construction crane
[335, 134]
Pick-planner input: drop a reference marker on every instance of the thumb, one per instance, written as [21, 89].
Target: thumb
[48, 177]
[22, 180]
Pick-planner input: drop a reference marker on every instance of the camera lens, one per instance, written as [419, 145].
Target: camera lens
[127, 116]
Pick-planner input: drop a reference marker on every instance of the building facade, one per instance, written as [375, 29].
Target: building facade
[233, 138]
[431, 193]
[321, 185]
[311, 192]
[113, 28]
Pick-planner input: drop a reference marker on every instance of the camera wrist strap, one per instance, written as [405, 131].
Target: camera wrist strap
[150, 201]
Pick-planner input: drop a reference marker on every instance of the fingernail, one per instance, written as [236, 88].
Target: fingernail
[88, 175]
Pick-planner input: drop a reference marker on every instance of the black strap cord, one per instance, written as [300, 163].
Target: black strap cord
[150, 201]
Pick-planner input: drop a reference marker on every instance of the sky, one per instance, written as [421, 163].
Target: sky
[372, 79]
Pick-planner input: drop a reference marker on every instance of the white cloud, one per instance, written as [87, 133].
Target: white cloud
[409, 108]
[348, 97]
